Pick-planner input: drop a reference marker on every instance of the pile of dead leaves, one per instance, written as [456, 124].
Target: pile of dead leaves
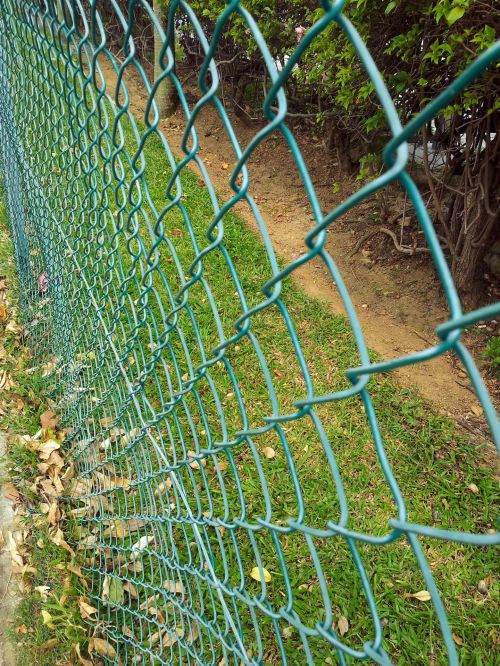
[39, 505]
[48, 486]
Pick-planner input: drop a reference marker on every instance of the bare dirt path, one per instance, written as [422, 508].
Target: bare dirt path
[399, 306]
[8, 585]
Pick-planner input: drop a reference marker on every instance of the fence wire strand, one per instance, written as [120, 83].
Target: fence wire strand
[162, 423]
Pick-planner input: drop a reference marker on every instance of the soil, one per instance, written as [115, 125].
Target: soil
[397, 297]
[8, 585]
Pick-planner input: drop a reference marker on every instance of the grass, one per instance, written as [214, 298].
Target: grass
[433, 464]
[37, 643]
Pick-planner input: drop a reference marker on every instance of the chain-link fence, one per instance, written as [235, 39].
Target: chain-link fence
[217, 418]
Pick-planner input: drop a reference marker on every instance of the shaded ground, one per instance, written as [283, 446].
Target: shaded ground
[399, 303]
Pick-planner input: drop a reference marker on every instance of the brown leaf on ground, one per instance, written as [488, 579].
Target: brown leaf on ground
[174, 587]
[47, 487]
[58, 538]
[16, 557]
[82, 660]
[54, 514]
[12, 327]
[49, 420]
[56, 459]
[45, 449]
[76, 569]
[43, 590]
[102, 647]
[10, 493]
[130, 588]
[80, 487]
[86, 610]
[121, 528]
[423, 595]
[110, 481]
[3, 312]
[343, 625]
[6, 381]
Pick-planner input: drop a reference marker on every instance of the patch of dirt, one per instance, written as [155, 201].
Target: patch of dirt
[9, 597]
[397, 297]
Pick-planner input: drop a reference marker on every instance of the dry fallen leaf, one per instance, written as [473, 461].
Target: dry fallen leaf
[193, 634]
[164, 485]
[423, 595]
[49, 420]
[473, 488]
[3, 312]
[6, 381]
[46, 448]
[54, 514]
[121, 528]
[140, 545]
[343, 625]
[174, 587]
[269, 452]
[102, 647]
[477, 410]
[457, 639]
[48, 645]
[10, 493]
[43, 591]
[482, 587]
[195, 464]
[16, 557]
[13, 327]
[82, 660]
[58, 538]
[86, 610]
[154, 639]
[255, 574]
[131, 589]
[74, 568]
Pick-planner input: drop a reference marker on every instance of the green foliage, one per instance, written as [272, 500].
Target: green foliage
[418, 46]
[492, 354]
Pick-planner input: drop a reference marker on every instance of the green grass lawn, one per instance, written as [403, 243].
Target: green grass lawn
[136, 407]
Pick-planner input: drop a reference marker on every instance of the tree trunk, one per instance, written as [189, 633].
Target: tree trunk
[467, 264]
[338, 141]
[465, 270]
[166, 95]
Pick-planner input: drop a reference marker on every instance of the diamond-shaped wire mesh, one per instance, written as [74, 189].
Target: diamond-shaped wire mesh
[173, 395]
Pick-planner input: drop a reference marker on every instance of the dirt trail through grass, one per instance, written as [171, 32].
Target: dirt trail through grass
[8, 586]
[399, 307]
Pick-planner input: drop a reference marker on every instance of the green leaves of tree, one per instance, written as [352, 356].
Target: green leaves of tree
[455, 14]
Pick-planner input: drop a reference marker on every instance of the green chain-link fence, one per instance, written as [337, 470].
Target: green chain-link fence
[179, 357]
